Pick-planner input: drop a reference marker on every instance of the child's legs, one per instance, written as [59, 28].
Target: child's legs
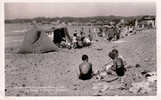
[111, 70]
[75, 44]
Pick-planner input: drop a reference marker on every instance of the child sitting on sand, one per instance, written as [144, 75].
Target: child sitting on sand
[86, 41]
[85, 69]
[115, 51]
[118, 64]
[114, 67]
[120, 56]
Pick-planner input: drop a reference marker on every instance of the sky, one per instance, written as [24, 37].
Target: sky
[30, 10]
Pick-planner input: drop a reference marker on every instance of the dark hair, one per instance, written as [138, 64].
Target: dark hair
[81, 33]
[112, 55]
[84, 57]
[137, 65]
[74, 34]
[115, 51]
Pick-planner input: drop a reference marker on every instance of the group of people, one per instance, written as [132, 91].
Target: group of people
[113, 33]
[81, 40]
[65, 44]
[117, 67]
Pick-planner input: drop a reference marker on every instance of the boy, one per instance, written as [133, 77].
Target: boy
[74, 40]
[118, 64]
[85, 69]
[117, 54]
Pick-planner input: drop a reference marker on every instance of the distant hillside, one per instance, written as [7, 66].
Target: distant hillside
[102, 19]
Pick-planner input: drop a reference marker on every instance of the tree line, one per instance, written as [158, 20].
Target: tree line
[95, 19]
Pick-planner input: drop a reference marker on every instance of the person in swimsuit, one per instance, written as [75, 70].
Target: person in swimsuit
[118, 64]
[85, 69]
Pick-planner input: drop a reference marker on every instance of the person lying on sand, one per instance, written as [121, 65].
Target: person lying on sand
[85, 69]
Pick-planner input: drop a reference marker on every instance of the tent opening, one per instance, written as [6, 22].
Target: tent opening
[59, 34]
[37, 37]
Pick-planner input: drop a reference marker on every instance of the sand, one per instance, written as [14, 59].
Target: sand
[55, 73]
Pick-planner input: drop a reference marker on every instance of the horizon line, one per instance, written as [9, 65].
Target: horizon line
[79, 17]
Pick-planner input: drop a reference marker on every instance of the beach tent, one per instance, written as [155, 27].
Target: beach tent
[37, 41]
[61, 33]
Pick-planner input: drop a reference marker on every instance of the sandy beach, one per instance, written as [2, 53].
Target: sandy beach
[55, 73]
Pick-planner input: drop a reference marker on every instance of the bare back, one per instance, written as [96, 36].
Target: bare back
[85, 68]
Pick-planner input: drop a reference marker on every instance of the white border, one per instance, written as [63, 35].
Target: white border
[1, 49]
[2, 96]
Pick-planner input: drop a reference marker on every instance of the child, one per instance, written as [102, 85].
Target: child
[118, 65]
[117, 53]
[86, 41]
[85, 69]
[74, 40]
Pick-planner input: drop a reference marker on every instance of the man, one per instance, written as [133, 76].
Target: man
[85, 69]
[118, 64]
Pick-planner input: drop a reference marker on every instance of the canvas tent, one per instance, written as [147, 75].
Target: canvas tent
[37, 41]
[61, 33]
